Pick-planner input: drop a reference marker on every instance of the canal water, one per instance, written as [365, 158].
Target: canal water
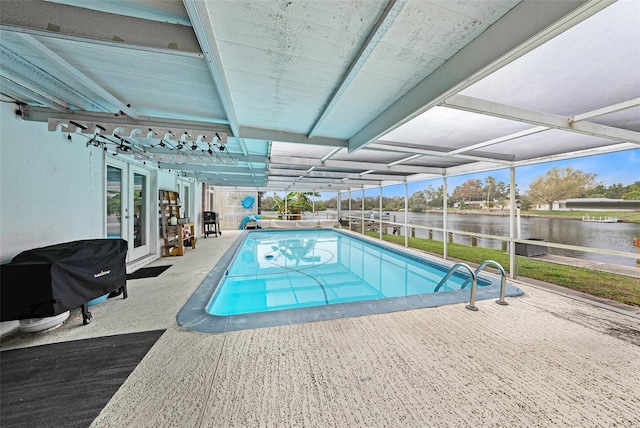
[608, 236]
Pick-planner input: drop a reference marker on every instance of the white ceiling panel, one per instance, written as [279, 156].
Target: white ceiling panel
[626, 119]
[548, 143]
[180, 86]
[451, 129]
[595, 64]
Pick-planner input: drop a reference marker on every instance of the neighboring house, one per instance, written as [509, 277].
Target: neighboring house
[591, 204]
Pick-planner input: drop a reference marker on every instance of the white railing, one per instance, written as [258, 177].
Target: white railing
[506, 239]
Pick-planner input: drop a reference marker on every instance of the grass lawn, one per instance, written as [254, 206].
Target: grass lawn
[619, 288]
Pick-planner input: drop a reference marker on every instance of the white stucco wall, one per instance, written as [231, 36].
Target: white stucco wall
[51, 188]
[167, 181]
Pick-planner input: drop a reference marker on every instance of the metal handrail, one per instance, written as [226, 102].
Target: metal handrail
[471, 305]
[451, 272]
[503, 279]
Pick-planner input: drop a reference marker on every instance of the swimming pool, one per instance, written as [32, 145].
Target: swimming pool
[277, 277]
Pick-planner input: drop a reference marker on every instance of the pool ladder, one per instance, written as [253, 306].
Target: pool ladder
[474, 284]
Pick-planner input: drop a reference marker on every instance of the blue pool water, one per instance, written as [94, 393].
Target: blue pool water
[277, 270]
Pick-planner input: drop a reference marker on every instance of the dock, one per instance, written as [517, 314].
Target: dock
[600, 219]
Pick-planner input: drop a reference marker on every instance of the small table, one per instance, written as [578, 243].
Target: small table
[179, 249]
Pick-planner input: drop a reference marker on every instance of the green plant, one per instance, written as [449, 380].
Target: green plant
[293, 202]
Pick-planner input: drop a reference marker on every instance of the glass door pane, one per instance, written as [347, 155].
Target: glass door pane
[139, 210]
[114, 202]
[186, 201]
[127, 206]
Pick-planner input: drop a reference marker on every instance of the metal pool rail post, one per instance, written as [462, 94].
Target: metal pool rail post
[474, 285]
[503, 279]
[471, 306]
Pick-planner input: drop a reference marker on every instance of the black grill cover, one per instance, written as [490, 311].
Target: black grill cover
[47, 281]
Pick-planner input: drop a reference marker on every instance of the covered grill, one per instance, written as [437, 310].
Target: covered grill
[47, 281]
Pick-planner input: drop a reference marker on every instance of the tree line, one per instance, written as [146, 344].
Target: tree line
[556, 185]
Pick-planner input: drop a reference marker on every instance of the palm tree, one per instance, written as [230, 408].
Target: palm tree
[294, 202]
[299, 201]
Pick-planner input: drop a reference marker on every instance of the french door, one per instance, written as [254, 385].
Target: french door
[127, 206]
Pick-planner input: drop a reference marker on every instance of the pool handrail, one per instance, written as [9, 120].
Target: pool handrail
[451, 272]
[503, 279]
[471, 305]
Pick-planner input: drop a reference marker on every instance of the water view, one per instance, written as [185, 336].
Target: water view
[607, 236]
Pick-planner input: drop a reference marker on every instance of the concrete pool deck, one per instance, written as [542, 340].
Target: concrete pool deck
[543, 360]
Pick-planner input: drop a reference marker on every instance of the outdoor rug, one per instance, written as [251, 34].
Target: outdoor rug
[67, 384]
[148, 272]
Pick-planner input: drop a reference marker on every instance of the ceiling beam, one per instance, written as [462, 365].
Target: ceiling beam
[235, 184]
[197, 159]
[276, 178]
[39, 114]
[227, 180]
[332, 154]
[327, 181]
[389, 14]
[485, 166]
[289, 137]
[528, 25]
[90, 84]
[107, 43]
[28, 75]
[498, 140]
[290, 160]
[635, 102]
[43, 115]
[331, 187]
[327, 174]
[470, 168]
[477, 105]
[404, 160]
[19, 91]
[211, 169]
[90, 26]
[55, 118]
[494, 157]
[180, 158]
[198, 12]
[579, 153]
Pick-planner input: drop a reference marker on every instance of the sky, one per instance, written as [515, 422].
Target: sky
[612, 168]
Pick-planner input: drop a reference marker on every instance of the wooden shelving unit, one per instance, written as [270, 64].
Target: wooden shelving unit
[174, 236]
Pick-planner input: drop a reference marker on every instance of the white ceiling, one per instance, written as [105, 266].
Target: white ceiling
[327, 95]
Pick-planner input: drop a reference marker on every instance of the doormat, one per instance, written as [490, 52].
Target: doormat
[67, 384]
[148, 272]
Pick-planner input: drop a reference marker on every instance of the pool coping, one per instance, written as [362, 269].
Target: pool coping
[193, 315]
